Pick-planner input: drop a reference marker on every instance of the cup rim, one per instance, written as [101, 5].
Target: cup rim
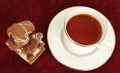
[86, 45]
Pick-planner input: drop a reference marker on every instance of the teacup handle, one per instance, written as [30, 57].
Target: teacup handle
[105, 45]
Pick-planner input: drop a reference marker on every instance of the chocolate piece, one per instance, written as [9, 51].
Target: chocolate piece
[30, 47]
[24, 41]
[20, 32]
[11, 44]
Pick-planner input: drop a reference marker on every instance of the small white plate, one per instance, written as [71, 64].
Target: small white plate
[85, 62]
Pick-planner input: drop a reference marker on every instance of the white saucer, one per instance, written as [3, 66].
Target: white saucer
[86, 62]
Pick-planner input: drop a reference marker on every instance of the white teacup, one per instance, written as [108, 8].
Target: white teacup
[75, 47]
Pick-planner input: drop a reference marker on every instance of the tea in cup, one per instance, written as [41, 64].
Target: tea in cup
[84, 29]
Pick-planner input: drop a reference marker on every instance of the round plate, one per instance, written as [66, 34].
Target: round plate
[85, 62]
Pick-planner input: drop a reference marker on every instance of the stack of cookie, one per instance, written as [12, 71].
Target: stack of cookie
[24, 41]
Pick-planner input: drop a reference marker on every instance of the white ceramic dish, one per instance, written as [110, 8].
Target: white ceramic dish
[84, 62]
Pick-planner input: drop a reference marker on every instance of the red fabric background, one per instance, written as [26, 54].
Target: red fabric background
[41, 12]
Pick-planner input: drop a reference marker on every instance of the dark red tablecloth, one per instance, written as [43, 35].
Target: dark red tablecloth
[41, 12]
